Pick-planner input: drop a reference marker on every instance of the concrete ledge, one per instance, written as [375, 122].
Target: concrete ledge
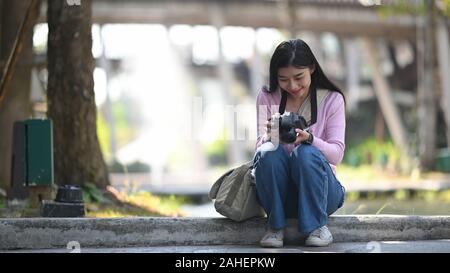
[39, 233]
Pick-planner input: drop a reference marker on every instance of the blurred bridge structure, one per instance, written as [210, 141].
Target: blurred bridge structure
[342, 17]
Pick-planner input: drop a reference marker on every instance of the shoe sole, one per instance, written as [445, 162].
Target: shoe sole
[317, 243]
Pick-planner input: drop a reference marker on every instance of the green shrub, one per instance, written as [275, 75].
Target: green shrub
[372, 152]
[134, 167]
[91, 193]
[217, 152]
[138, 167]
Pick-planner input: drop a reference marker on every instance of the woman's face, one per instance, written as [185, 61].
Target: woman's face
[295, 81]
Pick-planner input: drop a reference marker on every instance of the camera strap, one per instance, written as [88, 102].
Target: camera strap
[283, 102]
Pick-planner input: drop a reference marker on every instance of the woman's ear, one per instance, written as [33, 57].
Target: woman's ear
[312, 68]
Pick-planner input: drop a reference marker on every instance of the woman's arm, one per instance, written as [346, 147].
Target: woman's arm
[333, 145]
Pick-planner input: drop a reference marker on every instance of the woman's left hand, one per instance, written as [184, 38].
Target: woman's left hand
[301, 136]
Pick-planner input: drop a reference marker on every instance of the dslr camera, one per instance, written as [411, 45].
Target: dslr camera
[288, 123]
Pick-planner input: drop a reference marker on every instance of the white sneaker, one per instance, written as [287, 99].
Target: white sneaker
[319, 237]
[272, 238]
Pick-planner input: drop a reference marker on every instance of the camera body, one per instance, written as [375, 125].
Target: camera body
[288, 123]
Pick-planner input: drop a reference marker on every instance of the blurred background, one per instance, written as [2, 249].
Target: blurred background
[176, 83]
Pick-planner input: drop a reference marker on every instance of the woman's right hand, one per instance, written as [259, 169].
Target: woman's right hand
[268, 126]
[270, 123]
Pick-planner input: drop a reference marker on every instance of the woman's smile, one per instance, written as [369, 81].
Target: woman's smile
[295, 91]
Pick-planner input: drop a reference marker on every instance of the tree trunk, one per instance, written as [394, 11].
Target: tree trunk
[443, 46]
[16, 104]
[379, 125]
[426, 92]
[71, 101]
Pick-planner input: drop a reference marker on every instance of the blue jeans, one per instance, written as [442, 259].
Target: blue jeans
[301, 185]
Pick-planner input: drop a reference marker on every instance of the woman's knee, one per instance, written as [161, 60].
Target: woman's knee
[265, 159]
[268, 155]
[305, 154]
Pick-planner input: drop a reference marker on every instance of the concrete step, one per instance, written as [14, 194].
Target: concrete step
[428, 246]
[43, 233]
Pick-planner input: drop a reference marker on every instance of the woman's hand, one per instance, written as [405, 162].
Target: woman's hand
[301, 136]
[267, 136]
[268, 127]
[270, 123]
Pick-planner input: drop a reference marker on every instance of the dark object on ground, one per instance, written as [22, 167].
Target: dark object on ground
[69, 194]
[68, 203]
[51, 208]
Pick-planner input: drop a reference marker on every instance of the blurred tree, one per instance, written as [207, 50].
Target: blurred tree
[71, 101]
[427, 66]
[427, 95]
[16, 102]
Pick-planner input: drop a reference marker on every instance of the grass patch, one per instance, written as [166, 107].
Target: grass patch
[99, 204]
[137, 205]
[368, 173]
[2, 202]
[401, 195]
[392, 206]
[402, 202]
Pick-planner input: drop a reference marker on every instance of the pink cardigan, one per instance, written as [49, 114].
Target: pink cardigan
[328, 131]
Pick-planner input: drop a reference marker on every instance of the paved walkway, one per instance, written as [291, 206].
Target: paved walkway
[431, 246]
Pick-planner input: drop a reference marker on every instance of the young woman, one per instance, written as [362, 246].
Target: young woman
[297, 180]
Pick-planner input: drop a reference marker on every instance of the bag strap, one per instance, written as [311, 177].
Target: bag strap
[283, 102]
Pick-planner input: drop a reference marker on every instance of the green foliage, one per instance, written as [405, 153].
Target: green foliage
[362, 172]
[134, 167]
[138, 166]
[372, 152]
[445, 7]
[402, 7]
[124, 129]
[407, 7]
[216, 152]
[139, 204]
[428, 195]
[117, 167]
[403, 201]
[103, 135]
[371, 195]
[92, 194]
[443, 196]
[401, 195]
[166, 203]
[351, 196]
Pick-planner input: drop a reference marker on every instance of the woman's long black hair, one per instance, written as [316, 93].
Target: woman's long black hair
[298, 54]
